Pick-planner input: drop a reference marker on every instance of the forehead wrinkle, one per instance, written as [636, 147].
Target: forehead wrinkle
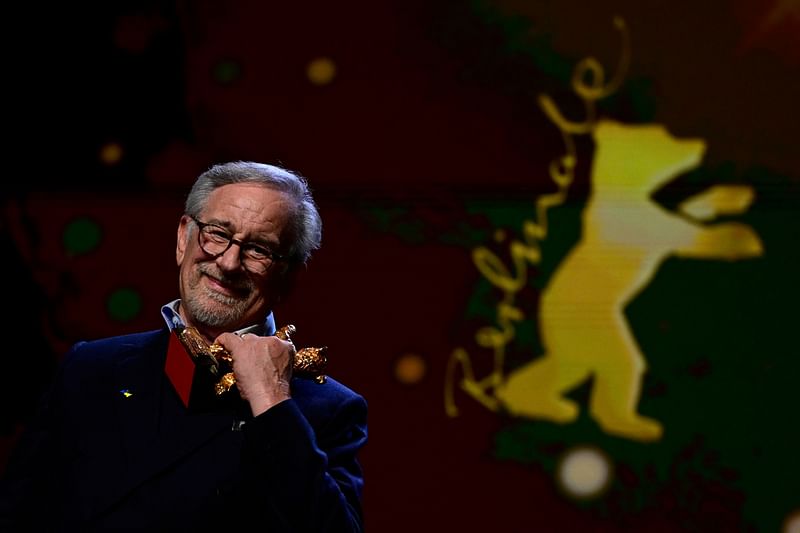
[259, 214]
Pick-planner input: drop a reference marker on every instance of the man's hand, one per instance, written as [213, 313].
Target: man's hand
[262, 367]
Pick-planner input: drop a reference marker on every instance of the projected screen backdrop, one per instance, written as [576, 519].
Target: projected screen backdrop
[560, 245]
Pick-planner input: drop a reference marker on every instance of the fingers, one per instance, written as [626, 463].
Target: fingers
[271, 346]
[262, 367]
[228, 340]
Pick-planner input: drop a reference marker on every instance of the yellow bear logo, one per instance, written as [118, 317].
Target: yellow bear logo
[625, 238]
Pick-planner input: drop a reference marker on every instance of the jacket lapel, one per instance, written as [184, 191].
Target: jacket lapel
[157, 430]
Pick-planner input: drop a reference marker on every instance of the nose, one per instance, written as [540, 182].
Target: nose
[230, 260]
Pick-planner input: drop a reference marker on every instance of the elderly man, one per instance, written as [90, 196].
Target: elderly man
[137, 433]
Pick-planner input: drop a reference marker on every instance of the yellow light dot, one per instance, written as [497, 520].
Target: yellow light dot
[321, 71]
[111, 153]
[499, 235]
[583, 472]
[792, 523]
[410, 369]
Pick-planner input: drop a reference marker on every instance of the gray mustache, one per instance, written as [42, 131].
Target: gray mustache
[237, 282]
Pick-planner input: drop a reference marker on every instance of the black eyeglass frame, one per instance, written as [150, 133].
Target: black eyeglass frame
[272, 256]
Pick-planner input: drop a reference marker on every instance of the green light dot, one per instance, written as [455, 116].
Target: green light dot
[226, 72]
[81, 235]
[124, 304]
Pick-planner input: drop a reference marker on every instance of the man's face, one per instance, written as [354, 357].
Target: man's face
[220, 294]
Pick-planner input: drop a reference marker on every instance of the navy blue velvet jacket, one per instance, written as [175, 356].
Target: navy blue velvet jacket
[115, 448]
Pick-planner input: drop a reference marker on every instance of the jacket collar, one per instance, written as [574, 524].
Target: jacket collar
[156, 428]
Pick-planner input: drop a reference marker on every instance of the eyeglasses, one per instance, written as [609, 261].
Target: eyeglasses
[215, 241]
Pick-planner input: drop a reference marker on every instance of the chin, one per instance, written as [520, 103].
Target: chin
[212, 313]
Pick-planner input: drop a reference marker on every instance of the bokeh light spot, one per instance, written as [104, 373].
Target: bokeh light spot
[321, 71]
[410, 369]
[792, 522]
[81, 235]
[124, 304]
[583, 472]
[227, 71]
[111, 153]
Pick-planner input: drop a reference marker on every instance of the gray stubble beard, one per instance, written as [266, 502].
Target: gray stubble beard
[231, 311]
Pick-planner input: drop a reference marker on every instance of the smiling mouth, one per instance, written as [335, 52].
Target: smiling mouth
[225, 287]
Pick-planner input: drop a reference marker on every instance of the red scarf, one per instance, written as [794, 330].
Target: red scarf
[179, 368]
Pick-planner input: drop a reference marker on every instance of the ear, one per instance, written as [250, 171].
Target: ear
[183, 239]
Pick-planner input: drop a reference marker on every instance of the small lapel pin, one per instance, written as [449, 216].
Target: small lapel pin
[126, 392]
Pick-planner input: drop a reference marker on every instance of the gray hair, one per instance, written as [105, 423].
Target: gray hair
[305, 222]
